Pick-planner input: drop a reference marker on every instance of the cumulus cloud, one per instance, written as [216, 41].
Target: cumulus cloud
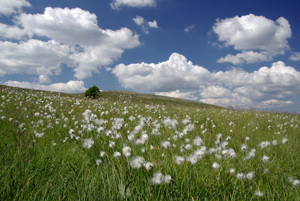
[246, 57]
[140, 21]
[153, 24]
[252, 32]
[295, 56]
[8, 7]
[32, 57]
[11, 32]
[117, 4]
[73, 86]
[177, 94]
[74, 39]
[232, 87]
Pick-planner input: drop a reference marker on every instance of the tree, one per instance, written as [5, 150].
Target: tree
[92, 92]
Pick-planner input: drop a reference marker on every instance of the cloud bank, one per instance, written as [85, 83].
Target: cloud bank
[251, 33]
[73, 37]
[73, 86]
[179, 77]
[8, 7]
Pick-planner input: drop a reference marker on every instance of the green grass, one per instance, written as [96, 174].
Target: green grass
[59, 167]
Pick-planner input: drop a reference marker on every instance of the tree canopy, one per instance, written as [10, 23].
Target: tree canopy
[92, 92]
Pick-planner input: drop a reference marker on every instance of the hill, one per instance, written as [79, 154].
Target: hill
[130, 146]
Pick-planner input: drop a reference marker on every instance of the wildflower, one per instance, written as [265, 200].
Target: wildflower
[137, 162]
[296, 182]
[178, 159]
[126, 151]
[112, 144]
[232, 171]
[148, 165]
[157, 178]
[98, 162]
[265, 159]
[258, 193]
[284, 140]
[251, 154]
[228, 138]
[193, 159]
[224, 144]
[188, 147]
[264, 144]
[247, 139]
[166, 144]
[102, 154]
[88, 143]
[250, 175]
[240, 176]
[244, 147]
[219, 136]
[167, 179]
[117, 154]
[216, 166]
[274, 142]
[198, 141]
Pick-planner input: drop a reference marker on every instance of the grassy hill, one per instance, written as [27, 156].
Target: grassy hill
[130, 146]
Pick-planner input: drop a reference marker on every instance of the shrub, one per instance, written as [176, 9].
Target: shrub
[92, 92]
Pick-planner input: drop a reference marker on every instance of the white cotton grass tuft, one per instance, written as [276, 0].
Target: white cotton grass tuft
[137, 162]
[216, 166]
[167, 179]
[284, 140]
[117, 154]
[126, 151]
[265, 159]
[198, 141]
[148, 165]
[250, 175]
[98, 162]
[232, 171]
[178, 159]
[165, 144]
[88, 143]
[240, 176]
[258, 193]
[159, 178]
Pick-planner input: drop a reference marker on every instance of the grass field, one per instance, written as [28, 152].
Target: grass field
[128, 146]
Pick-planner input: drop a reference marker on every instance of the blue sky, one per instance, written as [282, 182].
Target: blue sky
[243, 54]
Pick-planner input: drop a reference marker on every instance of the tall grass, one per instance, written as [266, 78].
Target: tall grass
[45, 153]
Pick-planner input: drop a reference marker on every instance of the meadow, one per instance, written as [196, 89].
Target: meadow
[128, 146]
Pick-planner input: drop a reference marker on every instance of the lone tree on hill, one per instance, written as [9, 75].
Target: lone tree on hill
[92, 92]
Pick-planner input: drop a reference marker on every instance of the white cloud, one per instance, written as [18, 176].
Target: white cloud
[252, 32]
[11, 32]
[246, 57]
[74, 39]
[175, 73]
[117, 4]
[226, 88]
[153, 24]
[214, 92]
[7, 7]
[177, 94]
[295, 56]
[140, 21]
[275, 103]
[32, 57]
[189, 28]
[69, 87]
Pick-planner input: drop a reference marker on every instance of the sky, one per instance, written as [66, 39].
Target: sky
[241, 54]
